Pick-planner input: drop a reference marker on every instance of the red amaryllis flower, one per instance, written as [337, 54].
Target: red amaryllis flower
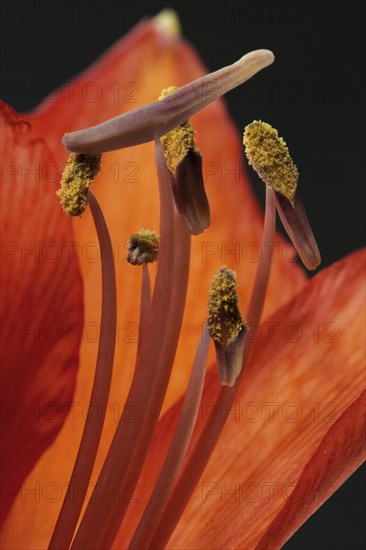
[292, 425]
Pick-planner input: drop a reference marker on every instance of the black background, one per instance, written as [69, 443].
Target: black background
[314, 95]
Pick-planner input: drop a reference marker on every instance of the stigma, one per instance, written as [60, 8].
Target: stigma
[152, 121]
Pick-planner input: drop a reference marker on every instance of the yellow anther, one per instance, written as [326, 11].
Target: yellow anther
[224, 319]
[79, 173]
[143, 247]
[270, 158]
[179, 141]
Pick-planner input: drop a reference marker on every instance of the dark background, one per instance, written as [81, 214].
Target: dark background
[314, 95]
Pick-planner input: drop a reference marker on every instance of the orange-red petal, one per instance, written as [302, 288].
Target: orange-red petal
[41, 304]
[138, 68]
[339, 454]
[295, 432]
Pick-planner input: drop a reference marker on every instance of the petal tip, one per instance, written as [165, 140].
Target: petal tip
[167, 23]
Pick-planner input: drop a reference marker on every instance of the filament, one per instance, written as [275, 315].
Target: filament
[130, 440]
[145, 301]
[80, 477]
[177, 450]
[212, 430]
[157, 392]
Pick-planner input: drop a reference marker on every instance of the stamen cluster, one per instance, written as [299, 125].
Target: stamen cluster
[179, 171]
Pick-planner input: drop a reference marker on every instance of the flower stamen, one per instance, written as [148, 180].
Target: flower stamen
[162, 322]
[168, 343]
[184, 162]
[224, 319]
[143, 247]
[78, 174]
[82, 471]
[226, 326]
[211, 432]
[270, 158]
[179, 141]
[131, 441]
[177, 450]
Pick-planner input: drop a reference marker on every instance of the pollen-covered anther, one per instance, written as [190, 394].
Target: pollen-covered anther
[270, 158]
[184, 163]
[224, 318]
[178, 142]
[78, 174]
[143, 247]
[225, 325]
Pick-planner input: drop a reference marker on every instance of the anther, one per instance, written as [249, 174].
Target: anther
[179, 141]
[184, 162]
[143, 247]
[270, 158]
[78, 174]
[225, 325]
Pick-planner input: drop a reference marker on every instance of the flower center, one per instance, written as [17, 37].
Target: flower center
[184, 210]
